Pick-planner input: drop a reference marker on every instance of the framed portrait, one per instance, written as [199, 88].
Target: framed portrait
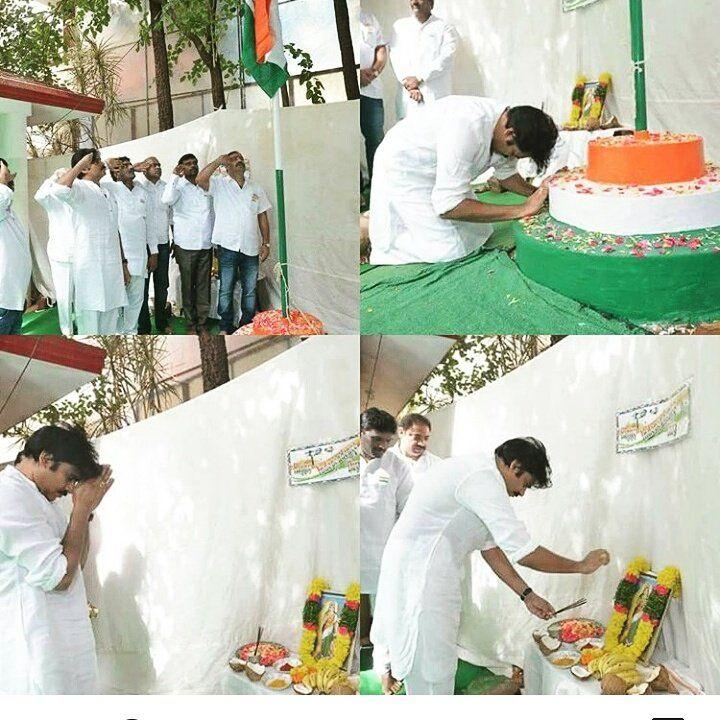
[331, 606]
[646, 584]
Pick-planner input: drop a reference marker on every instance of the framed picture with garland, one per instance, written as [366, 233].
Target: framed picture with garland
[647, 582]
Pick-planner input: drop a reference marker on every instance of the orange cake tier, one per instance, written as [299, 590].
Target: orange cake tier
[646, 159]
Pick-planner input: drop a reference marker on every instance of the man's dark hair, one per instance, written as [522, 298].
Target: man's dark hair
[531, 454]
[414, 419]
[124, 158]
[535, 133]
[78, 155]
[65, 443]
[186, 156]
[379, 420]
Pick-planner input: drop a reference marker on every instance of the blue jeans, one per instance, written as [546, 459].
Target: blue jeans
[10, 321]
[234, 264]
[372, 121]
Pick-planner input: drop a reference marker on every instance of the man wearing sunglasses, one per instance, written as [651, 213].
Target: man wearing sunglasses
[462, 505]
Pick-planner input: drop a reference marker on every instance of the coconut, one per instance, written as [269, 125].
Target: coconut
[641, 689]
[342, 689]
[549, 644]
[663, 683]
[613, 685]
[255, 671]
[301, 689]
[237, 665]
[580, 672]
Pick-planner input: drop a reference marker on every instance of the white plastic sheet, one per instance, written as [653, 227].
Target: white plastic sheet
[662, 504]
[201, 539]
[320, 194]
[530, 51]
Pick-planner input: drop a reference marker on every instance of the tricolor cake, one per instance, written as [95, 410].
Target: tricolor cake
[636, 233]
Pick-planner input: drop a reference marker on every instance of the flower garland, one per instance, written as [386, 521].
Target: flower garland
[599, 96]
[346, 626]
[668, 585]
[578, 94]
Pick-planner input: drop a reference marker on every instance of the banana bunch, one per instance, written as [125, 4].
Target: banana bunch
[327, 677]
[310, 680]
[616, 664]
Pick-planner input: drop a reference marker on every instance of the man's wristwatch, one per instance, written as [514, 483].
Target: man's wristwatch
[527, 591]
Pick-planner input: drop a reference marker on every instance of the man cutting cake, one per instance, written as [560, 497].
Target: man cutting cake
[462, 505]
[422, 207]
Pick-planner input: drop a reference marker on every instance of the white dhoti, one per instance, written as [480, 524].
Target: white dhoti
[131, 312]
[98, 322]
[62, 275]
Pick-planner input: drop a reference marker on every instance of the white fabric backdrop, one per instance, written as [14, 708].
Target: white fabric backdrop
[662, 504]
[320, 194]
[201, 540]
[529, 51]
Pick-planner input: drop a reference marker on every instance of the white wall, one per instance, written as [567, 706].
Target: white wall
[662, 504]
[320, 193]
[529, 51]
[201, 540]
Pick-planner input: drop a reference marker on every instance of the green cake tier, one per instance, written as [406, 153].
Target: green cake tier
[642, 278]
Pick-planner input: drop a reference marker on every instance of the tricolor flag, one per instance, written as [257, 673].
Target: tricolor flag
[262, 45]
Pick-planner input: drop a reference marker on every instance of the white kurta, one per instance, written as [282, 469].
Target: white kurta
[425, 168]
[425, 51]
[97, 260]
[236, 211]
[385, 485]
[158, 214]
[61, 237]
[46, 640]
[192, 214]
[132, 222]
[459, 506]
[371, 38]
[416, 467]
[15, 259]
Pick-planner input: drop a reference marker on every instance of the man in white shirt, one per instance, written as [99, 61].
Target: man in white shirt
[15, 259]
[139, 248]
[241, 234]
[158, 221]
[46, 641]
[61, 241]
[385, 485]
[372, 58]
[462, 505]
[422, 52]
[192, 240]
[99, 268]
[413, 438]
[422, 206]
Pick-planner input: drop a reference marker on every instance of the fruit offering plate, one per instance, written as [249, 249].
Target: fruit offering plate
[570, 631]
[269, 652]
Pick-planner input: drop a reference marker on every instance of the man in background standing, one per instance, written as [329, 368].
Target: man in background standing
[373, 58]
[132, 201]
[241, 233]
[413, 438]
[61, 241]
[422, 52]
[192, 244]
[158, 224]
[15, 259]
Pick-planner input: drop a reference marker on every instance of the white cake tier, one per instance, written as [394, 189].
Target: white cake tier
[634, 209]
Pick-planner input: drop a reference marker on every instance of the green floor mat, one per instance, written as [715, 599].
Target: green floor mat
[469, 679]
[483, 293]
[45, 322]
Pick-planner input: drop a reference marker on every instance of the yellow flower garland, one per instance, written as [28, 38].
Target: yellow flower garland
[342, 642]
[668, 579]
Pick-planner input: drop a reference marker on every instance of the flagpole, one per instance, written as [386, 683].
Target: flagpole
[280, 191]
[638, 56]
